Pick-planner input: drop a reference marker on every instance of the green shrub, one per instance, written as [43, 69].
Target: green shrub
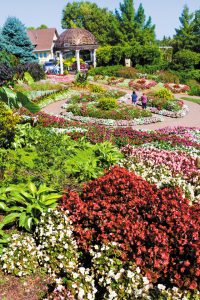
[99, 77]
[105, 71]
[81, 79]
[164, 93]
[188, 75]
[97, 89]
[168, 76]
[107, 103]
[128, 72]
[185, 59]
[28, 78]
[194, 89]
[8, 123]
[25, 203]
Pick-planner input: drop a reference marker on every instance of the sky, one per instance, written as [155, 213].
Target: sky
[165, 13]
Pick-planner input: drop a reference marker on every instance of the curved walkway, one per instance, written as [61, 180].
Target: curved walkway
[192, 119]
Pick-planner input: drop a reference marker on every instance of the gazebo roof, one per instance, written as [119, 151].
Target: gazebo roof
[76, 39]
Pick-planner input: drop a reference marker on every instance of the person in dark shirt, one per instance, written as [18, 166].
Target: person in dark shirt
[134, 97]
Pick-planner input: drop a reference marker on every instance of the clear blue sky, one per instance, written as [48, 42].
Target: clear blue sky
[165, 13]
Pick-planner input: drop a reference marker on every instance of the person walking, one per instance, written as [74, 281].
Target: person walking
[144, 101]
[134, 98]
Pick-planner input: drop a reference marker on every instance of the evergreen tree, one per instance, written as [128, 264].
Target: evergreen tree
[184, 35]
[126, 19]
[196, 31]
[144, 31]
[14, 40]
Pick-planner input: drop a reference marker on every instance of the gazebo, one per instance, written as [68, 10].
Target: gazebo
[76, 39]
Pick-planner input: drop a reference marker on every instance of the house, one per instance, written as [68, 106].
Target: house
[43, 40]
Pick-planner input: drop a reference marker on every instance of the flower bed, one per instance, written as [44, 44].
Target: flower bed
[177, 88]
[146, 222]
[60, 78]
[142, 84]
[111, 122]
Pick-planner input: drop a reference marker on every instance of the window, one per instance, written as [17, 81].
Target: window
[45, 54]
[36, 54]
[41, 55]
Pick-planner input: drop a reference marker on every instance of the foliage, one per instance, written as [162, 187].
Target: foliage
[87, 15]
[194, 89]
[105, 71]
[186, 60]
[4, 239]
[6, 74]
[16, 41]
[145, 221]
[94, 88]
[20, 256]
[25, 203]
[8, 122]
[33, 68]
[167, 76]
[81, 79]
[164, 93]
[28, 78]
[42, 155]
[186, 34]
[16, 100]
[107, 103]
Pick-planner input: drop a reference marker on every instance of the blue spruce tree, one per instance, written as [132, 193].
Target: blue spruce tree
[14, 40]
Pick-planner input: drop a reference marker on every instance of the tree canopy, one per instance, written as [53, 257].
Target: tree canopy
[125, 26]
[14, 40]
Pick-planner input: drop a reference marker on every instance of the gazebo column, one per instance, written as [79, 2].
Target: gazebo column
[94, 58]
[78, 60]
[61, 62]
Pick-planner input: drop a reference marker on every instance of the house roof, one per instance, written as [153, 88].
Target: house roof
[42, 39]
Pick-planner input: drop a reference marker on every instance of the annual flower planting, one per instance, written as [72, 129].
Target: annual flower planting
[91, 207]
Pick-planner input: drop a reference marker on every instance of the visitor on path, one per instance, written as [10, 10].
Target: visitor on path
[144, 101]
[134, 97]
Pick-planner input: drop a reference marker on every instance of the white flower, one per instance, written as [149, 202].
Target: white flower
[161, 287]
[81, 293]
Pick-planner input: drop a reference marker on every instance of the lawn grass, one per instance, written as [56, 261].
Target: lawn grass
[197, 100]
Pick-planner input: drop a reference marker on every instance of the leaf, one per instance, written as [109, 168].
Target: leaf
[3, 206]
[32, 187]
[25, 101]
[22, 219]
[10, 218]
[28, 223]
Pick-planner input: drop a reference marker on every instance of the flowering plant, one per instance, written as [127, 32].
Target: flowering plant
[146, 222]
[20, 256]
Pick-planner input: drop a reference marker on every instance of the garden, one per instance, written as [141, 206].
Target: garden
[90, 207]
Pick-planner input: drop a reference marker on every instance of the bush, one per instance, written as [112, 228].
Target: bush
[8, 122]
[194, 89]
[155, 228]
[127, 72]
[185, 59]
[167, 76]
[97, 89]
[81, 79]
[6, 73]
[164, 93]
[107, 103]
[105, 71]
[34, 69]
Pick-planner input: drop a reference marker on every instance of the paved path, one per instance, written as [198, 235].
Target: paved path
[192, 119]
